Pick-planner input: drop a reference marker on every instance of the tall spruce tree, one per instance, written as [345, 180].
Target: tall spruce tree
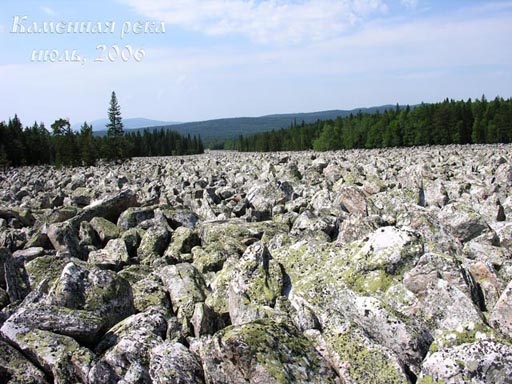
[116, 149]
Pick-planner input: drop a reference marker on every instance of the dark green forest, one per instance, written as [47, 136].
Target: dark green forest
[215, 132]
[62, 146]
[449, 122]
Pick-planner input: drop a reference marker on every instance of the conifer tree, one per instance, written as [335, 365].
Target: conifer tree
[115, 135]
[88, 151]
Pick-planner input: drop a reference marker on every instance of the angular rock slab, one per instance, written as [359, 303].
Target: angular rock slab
[174, 363]
[481, 362]
[185, 285]
[125, 349]
[256, 281]
[15, 368]
[263, 352]
[501, 315]
[113, 256]
[103, 293]
[59, 356]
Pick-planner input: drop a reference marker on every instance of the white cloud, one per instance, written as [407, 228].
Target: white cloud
[262, 21]
[411, 4]
[49, 11]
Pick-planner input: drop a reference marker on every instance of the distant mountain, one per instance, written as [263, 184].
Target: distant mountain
[218, 130]
[130, 123]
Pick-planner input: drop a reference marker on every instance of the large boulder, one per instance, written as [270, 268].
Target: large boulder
[101, 292]
[61, 357]
[479, 362]
[125, 351]
[257, 280]
[174, 363]
[501, 315]
[106, 230]
[185, 285]
[15, 368]
[109, 208]
[263, 351]
[113, 256]
[462, 221]
[64, 239]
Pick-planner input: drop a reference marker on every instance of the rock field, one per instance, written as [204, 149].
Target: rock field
[378, 266]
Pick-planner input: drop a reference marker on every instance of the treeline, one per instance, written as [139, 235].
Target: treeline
[449, 122]
[61, 146]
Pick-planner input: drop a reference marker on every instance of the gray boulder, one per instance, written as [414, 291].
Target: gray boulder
[263, 352]
[133, 216]
[479, 362]
[64, 239]
[501, 315]
[61, 357]
[106, 230]
[174, 363]
[125, 351]
[185, 286]
[256, 282]
[462, 221]
[153, 244]
[15, 368]
[114, 256]
[101, 292]
[149, 292]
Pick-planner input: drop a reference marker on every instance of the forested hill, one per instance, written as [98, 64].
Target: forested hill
[448, 122]
[214, 132]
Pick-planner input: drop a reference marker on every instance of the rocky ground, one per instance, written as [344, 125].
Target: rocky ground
[381, 266]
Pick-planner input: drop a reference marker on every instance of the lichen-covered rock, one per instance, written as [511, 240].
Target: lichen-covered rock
[45, 267]
[64, 239]
[480, 362]
[125, 350]
[174, 363]
[106, 230]
[15, 368]
[206, 260]
[463, 221]
[501, 315]
[388, 249]
[59, 356]
[153, 244]
[82, 325]
[134, 216]
[113, 256]
[257, 281]
[101, 292]
[183, 240]
[357, 358]
[185, 285]
[149, 292]
[218, 299]
[263, 352]
[322, 275]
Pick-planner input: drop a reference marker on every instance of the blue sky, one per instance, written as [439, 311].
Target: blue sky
[224, 58]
